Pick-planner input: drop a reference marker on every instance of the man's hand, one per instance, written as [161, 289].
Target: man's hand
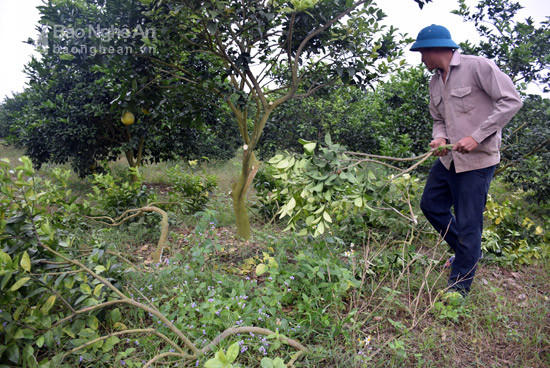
[438, 142]
[465, 145]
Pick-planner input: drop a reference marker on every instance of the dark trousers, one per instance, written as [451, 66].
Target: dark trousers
[466, 192]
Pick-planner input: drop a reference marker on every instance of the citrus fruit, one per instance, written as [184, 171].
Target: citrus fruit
[127, 118]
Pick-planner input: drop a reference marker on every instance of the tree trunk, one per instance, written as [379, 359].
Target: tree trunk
[132, 163]
[249, 168]
[238, 193]
[134, 158]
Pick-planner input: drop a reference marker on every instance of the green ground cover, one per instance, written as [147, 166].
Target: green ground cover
[372, 302]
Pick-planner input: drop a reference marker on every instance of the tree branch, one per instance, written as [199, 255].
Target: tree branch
[257, 330]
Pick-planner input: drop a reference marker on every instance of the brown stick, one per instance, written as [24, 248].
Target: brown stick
[157, 255]
[257, 330]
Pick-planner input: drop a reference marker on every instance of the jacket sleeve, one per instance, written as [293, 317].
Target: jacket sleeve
[506, 100]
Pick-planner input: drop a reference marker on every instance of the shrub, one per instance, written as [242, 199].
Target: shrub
[194, 189]
[511, 236]
[525, 150]
[114, 196]
[42, 291]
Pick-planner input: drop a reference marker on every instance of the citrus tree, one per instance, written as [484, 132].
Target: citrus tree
[91, 77]
[519, 48]
[391, 120]
[265, 53]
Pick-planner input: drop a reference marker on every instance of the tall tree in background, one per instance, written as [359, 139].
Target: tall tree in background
[520, 49]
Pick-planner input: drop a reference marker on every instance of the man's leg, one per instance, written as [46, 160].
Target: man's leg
[436, 203]
[470, 196]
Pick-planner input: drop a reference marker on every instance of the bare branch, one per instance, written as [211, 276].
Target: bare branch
[247, 329]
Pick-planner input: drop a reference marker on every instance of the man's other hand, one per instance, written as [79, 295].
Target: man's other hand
[465, 145]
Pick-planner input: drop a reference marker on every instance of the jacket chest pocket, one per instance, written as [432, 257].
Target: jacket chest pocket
[462, 99]
[437, 102]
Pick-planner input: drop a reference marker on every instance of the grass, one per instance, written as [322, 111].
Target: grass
[9, 152]
[330, 300]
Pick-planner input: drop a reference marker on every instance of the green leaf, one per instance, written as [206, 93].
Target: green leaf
[317, 188]
[213, 363]
[212, 27]
[49, 339]
[69, 332]
[56, 360]
[115, 315]
[5, 258]
[13, 353]
[273, 363]
[97, 290]
[267, 363]
[86, 289]
[275, 159]
[261, 269]
[68, 282]
[291, 204]
[310, 147]
[120, 326]
[88, 333]
[93, 322]
[283, 164]
[221, 357]
[19, 283]
[23, 333]
[18, 334]
[78, 326]
[233, 352]
[309, 220]
[110, 343]
[5, 280]
[320, 229]
[48, 304]
[28, 355]
[40, 341]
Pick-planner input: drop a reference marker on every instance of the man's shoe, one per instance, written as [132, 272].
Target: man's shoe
[449, 262]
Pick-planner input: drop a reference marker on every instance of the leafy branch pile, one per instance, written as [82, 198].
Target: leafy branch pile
[328, 188]
[334, 188]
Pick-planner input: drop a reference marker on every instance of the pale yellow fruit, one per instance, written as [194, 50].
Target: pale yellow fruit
[127, 118]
